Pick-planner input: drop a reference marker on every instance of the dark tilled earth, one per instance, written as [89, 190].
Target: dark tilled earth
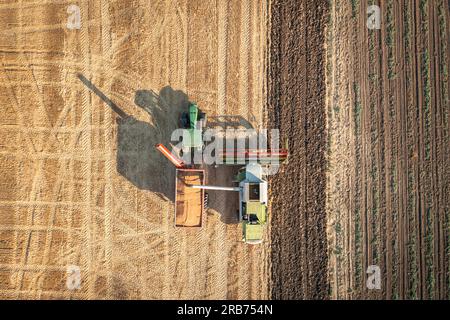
[296, 80]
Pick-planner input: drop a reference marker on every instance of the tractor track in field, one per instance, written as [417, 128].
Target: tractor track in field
[108, 141]
[296, 107]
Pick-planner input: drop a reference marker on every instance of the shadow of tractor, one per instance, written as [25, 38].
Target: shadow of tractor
[137, 159]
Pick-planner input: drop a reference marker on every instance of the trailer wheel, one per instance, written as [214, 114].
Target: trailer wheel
[202, 119]
[205, 201]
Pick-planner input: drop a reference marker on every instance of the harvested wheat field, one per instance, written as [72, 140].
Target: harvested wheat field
[82, 109]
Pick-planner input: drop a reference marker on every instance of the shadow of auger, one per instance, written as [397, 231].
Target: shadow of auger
[229, 121]
[101, 95]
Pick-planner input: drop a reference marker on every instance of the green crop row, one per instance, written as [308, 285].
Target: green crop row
[427, 99]
[390, 31]
[446, 102]
[413, 271]
[355, 8]
[357, 107]
[444, 65]
[426, 76]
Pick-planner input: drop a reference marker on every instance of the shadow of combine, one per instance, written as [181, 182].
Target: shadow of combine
[225, 203]
[141, 164]
[137, 159]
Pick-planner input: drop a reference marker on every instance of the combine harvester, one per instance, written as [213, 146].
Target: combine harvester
[252, 201]
[191, 198]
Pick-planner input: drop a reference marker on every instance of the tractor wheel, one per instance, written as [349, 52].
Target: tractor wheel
[184, 120]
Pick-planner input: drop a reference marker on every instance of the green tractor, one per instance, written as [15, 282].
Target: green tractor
[193, 121]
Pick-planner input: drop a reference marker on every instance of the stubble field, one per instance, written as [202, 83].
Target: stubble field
[81, 181]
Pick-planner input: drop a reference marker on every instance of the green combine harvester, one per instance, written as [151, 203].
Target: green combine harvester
[252, 201]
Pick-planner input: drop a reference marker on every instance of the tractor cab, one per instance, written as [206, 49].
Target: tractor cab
[253, 204]
[193, 121]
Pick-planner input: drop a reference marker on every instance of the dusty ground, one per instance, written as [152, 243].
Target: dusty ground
[388, 177]
[81, 110]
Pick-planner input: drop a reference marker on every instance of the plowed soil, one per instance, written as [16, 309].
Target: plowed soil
[297, 108]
